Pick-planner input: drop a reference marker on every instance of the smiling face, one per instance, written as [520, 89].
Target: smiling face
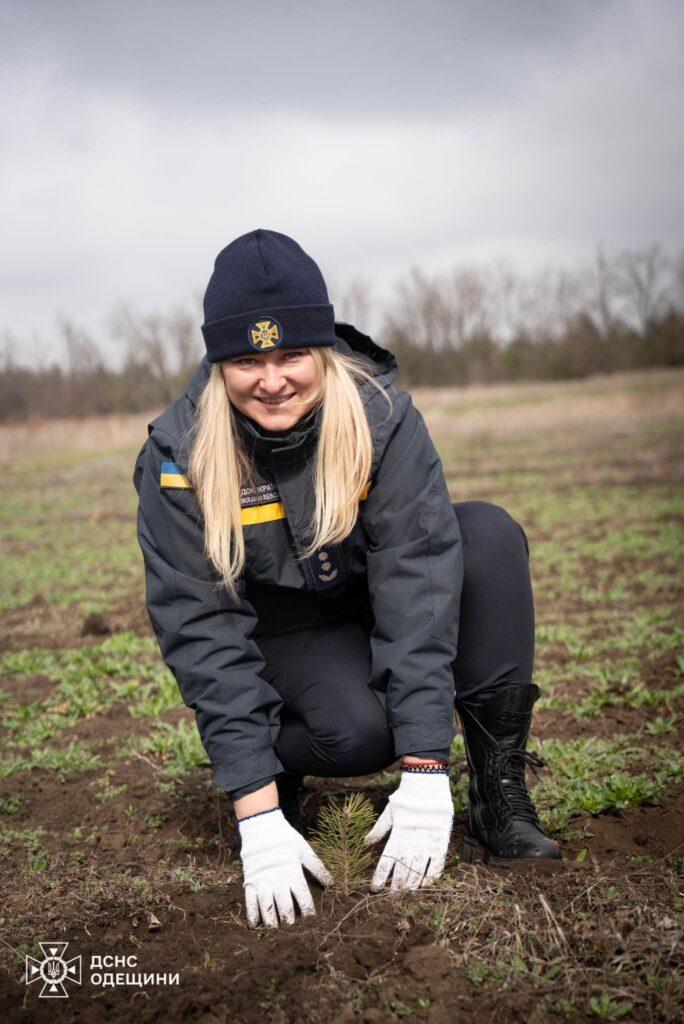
[275, 388]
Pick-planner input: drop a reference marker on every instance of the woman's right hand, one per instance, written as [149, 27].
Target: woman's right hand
[273, 856]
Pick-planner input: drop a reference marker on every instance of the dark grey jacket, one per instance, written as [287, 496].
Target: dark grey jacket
[402, 566]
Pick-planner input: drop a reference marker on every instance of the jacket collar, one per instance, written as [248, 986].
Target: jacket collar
[381, 363]
[283, 446]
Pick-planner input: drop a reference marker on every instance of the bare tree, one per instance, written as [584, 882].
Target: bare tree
[422, 309]
[550, 299]
[678, 281]
[84, 357]
[642, 282]
[604, 291]
[467, 300]
[9, 347]
[504, 296]
[353, 302]
[168, 346]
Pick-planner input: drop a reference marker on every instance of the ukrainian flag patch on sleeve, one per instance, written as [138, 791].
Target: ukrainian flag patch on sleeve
[171, 476]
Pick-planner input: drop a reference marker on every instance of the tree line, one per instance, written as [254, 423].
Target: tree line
[471, 324]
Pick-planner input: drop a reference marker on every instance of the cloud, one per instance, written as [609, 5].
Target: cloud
[122, 180]
[314, 55]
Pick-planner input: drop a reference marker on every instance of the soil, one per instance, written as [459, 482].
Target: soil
[381, 946]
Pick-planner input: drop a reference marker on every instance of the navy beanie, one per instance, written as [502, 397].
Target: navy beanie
[265, 292]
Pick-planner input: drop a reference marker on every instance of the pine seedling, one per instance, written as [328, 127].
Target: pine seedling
[339, 840]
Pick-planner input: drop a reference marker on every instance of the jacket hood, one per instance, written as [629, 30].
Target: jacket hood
[378, 361]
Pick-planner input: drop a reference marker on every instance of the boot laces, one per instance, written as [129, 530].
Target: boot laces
[509, 771]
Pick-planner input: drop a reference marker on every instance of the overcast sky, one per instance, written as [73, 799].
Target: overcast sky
[140, 138]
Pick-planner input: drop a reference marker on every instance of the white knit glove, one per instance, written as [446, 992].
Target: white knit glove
[420, 813]
[272, 855]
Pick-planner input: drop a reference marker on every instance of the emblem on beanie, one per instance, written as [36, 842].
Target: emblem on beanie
[265, 334]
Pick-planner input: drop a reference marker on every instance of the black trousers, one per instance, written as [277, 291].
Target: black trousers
[333, 724]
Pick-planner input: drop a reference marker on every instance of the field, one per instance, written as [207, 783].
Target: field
[114, 839]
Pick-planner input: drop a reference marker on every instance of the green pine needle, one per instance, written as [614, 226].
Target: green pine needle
[339, 840]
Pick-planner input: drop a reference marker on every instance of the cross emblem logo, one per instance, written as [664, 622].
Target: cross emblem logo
[265, 334]
[53, 970]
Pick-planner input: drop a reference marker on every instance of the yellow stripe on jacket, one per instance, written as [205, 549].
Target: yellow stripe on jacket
[263, 513]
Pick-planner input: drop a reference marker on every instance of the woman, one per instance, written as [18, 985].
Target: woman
[306, 573]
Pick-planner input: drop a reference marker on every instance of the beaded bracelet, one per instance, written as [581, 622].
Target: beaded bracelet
[428, 767]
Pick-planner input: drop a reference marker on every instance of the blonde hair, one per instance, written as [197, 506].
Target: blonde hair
[218, 465]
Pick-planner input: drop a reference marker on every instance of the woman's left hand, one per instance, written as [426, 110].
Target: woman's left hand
[420, 814]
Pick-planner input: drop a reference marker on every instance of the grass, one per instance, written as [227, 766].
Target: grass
[69, 760]
[616, 694]
[87, 681]
[176, 749]
[80, 514]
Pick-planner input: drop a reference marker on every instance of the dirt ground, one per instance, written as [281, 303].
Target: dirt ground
[123, 847]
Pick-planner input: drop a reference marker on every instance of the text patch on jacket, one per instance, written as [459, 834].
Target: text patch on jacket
[261, 504]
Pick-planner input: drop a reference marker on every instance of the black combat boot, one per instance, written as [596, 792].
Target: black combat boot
[504, 827]
[290, 788]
